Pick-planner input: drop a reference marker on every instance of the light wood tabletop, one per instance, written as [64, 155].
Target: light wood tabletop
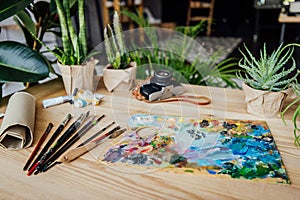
[85, 178]
[284, 18]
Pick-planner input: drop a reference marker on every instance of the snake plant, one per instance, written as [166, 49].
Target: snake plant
[269, 72]
[74, 51]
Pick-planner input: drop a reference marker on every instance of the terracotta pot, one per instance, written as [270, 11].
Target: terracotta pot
[79, 76]
[119, 79]
[265, 103]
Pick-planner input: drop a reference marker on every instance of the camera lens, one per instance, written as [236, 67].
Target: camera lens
[161, 77]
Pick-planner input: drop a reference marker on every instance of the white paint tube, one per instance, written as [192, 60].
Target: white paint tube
[57, 100]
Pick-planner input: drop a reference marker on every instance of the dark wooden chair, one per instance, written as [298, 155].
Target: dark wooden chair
[199, 10]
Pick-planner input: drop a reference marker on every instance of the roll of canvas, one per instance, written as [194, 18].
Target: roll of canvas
[18, 124]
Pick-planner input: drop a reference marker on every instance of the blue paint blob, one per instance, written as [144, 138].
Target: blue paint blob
[211, 171]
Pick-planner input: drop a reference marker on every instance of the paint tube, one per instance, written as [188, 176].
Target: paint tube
[86, 97]
[55, 101]
[79, 103]
[97, 99]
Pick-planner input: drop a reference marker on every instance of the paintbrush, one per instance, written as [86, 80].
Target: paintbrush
[39, 144]
[51, 140]
[79, 151]
[80, 132]
[96, 134]
[67, 134]
[71, 141]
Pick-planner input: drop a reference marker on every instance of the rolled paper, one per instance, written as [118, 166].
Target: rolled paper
[18, 124]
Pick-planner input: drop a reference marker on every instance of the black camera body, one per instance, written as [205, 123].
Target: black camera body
[162, 86]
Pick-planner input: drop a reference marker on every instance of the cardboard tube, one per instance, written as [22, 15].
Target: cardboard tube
[18, 124]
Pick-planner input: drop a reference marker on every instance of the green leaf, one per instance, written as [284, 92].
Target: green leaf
[27, 21]
[11, 7]
[28, 37]
[20, 63]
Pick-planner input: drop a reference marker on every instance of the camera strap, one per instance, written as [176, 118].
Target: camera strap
[197, 100]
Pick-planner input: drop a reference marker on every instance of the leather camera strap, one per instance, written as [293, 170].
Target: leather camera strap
[197, 100]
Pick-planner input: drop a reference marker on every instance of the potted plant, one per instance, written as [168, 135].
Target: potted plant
[73, 59]
[185, 58]
[120, 73]
[18, 59]
[267, 80]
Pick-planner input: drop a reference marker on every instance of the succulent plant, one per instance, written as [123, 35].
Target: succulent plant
[114, 44]
[269, 72]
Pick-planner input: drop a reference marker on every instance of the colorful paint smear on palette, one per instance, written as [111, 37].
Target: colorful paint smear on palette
[238, 149]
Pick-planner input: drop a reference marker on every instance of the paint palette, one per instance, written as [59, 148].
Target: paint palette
[231, 148]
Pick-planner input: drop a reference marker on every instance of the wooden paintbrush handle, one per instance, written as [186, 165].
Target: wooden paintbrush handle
[75, 153]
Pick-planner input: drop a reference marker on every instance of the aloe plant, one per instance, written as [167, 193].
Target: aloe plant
[114, 44]
[269, 72]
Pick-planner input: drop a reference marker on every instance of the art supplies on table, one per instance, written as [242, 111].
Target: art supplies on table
[70, 142]
[80, 98]
[60, 128]
[17, 130]
[240, 149]
[96, 134]
[66, 135]
[51, 156]
[39, 144]
[56, 101]
[79, 151]
[61, 157]
[83, 98]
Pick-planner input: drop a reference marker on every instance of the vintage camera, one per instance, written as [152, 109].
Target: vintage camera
[162, 86]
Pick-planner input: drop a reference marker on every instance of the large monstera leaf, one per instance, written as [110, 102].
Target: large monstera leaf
[21, 64]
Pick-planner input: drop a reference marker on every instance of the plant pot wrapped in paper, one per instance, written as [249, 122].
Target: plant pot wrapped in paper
[79, 76]
[265, 103]
[74, 62]
[120, 73]
[119, 79]
[267, 80]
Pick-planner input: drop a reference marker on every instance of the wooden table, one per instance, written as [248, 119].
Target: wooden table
[85, 179]
[284, 18]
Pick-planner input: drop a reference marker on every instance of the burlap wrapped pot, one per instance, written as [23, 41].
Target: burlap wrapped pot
[265, 103]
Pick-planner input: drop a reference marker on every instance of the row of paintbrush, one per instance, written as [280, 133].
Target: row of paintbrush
[54, 152]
